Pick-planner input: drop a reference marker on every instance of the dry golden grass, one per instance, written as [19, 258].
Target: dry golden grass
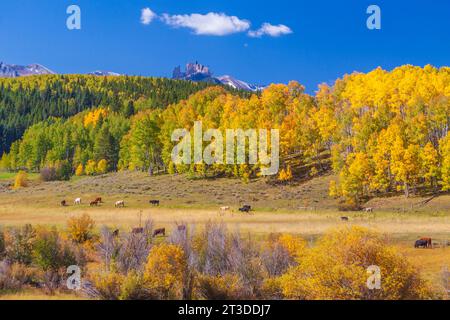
[35, 294]
[279, 209]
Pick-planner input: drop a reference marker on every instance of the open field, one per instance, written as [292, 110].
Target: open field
[303, 209]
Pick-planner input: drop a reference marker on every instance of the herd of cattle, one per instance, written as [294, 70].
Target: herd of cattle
[98, 201]
[424, 242]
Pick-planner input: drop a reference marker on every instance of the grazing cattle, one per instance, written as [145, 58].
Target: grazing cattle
[154, 202]
[368, 209]
[137, 230]
[161, 231]
[344, 218]
[63, 203]
[77, 201]
[99, 200]
[120, 204]
[420, 244]
[429, 242]
[245, 209]
[181, 227]
[93, 203]
[115, 233]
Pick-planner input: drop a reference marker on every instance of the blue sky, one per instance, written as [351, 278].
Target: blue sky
[327, 39]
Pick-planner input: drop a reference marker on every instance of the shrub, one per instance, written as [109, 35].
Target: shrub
[133, 288]
[52, 253]
[134, 249]
[90, 168]
[48, 174]
[80, 170]
[212, 250]
[165, 271]
[295, 246]
[102, 166]
[80, 229]
[171, 169]
[107, 286]
[337, 269]
[108, 247]
[63, 170]
[2, 245]
[19, 244]
[276, 259]
[21, 180]
[226, 287]
[7, 280]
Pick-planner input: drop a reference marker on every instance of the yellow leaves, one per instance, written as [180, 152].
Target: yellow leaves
[430, 163]
[92, 117]
[80, 229]
[285, 175]
[337, 269]
[80, 170]
[445, 153]
[90, 168]
[295, 246]
[166, 270]
[333, 190]
[108, 284]
[102, 166]
[21, 180]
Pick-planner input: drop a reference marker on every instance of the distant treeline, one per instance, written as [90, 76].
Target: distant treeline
[381, 132]
[29, 100]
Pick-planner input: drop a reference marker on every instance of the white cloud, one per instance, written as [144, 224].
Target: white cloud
[270, 30]
[215, 24]
[147, 16]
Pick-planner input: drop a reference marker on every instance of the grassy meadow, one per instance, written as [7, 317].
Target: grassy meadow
[302, 209]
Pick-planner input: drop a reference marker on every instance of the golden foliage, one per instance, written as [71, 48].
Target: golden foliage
[80, 229]
[92, 117]
[21, 180]
[80, 170]
[102, 166]
[337, 269]
[166, 270]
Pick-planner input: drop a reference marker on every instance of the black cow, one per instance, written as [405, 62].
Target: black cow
[115, 233]
[421, 244]
[161, 231]
[63, 203]
[246, 208]
[154, 202]
[344, 218]
[137, 230]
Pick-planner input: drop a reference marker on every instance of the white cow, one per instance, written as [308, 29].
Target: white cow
[77, 201]
[120, 203]
[224, 208]
[368, 210]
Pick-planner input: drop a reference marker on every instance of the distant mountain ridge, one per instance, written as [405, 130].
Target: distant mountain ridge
[198, 72]
[104, 73]
[15, 71]
[195, 72]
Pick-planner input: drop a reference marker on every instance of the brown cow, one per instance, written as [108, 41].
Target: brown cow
[99, 200]
[344, 218]
[93, 203]
[161, 231]
[428, 241]
[115, 233]
[63, 203]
